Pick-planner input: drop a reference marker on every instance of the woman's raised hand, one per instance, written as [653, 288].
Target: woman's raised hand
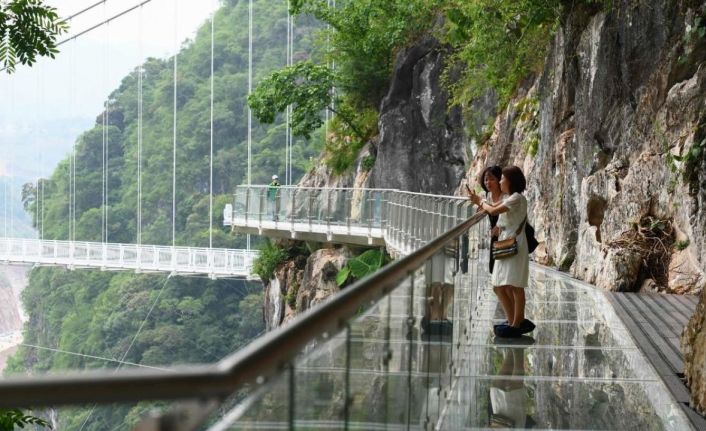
[473, 196]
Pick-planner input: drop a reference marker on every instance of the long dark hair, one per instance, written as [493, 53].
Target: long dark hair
[494, 170]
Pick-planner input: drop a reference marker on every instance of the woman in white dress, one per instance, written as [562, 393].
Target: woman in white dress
[511, 275]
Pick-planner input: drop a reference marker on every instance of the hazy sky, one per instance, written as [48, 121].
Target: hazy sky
[44, 108]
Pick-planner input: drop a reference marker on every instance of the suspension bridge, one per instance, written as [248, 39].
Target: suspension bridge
[74, 252]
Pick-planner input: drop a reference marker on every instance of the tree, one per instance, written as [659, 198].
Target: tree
[28, 28]
[305, 86]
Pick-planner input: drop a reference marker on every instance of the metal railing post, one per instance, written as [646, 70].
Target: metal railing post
[309, 207]
[261, 199]
[328, 212]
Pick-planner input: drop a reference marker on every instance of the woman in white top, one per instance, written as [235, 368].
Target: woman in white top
[510, 275]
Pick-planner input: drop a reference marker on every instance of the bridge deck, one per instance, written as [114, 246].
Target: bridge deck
[656, 322]
[212, 262]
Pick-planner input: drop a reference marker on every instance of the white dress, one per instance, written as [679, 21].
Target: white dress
[513, 271]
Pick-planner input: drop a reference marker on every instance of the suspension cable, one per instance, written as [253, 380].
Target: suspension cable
[247, 240]
[101, 358]
[289, 108]
[132, 343]
[42, 104]
[249, 88]
[6, 173]
[333, 68]
[140, 72]
[174, 125]
[72, 155]
[104, 22]
[107, 138]
[12, 173]
[210, 158]
[39, 170]
[286, 112]
[105, 108]
[82, 11]
[71, 159]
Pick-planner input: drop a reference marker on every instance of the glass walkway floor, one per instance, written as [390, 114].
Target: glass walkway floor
[578, 370]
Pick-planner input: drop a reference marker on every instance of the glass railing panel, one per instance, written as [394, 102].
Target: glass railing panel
[268, 408]
[260, 205]
[283, 204]
[391, 365]
[99, 417]
[240, 202]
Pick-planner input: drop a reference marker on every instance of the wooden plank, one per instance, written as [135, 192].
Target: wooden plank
[674, 384]
[684, 310]
[627, 314]
[635, 321]
[659, 318]
[666, 312]
[689, 300]
[671, 355]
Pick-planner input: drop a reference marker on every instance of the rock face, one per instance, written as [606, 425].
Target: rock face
[301, 283]
[421, 146]
[611, 137]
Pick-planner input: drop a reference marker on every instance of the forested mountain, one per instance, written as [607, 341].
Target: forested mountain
[147, 319]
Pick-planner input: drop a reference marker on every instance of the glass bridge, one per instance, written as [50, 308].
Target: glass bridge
[144, 258]
[407, 348]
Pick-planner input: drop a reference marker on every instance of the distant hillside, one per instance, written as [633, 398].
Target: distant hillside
[182, 320]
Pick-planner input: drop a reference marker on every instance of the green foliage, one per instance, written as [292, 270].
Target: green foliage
[363, 37]
[28, 28]
[305, 86]
[269, 257]
[694, 35]
[528, 112]
[361, 266]
[193, 133]
[368, 162]
[682, 244]
[194, 320]
[342, 276]
[343, 145]
[291, 297]
[500, 42]
[10, 418]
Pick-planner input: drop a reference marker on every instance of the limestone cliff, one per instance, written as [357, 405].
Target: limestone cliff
[422, 147]
[611, 135]
[422, 144]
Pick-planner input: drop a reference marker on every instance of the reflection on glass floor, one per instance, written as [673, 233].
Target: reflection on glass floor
[579, 369]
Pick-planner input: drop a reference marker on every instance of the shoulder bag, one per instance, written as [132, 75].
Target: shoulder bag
[507, 247]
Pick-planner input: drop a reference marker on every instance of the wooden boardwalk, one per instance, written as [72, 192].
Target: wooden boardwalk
[656, 323]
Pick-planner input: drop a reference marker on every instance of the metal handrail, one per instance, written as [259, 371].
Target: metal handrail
[258, 362]
[262, 186]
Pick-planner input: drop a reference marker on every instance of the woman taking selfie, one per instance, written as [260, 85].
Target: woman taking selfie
[511, 270]
[490, 183]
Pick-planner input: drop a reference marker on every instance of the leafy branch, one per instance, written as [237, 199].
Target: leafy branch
[9, 418]
[28, 28]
